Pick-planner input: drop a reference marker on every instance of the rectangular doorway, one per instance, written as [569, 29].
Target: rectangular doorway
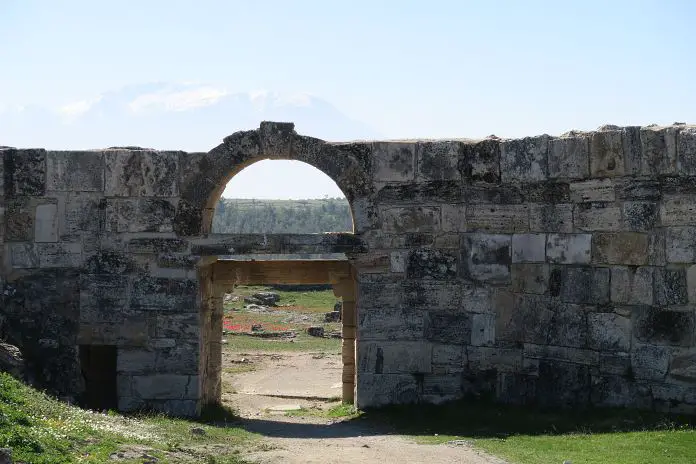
[98, 364]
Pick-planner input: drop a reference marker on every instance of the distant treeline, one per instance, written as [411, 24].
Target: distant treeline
[241, 216]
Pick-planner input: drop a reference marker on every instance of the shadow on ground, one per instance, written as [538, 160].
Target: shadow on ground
[465, 418]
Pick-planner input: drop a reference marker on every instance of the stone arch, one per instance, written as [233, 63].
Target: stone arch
[206, 174]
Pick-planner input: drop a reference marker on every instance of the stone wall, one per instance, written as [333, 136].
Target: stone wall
[549, 270]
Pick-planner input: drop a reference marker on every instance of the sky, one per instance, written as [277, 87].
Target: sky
[408, 69]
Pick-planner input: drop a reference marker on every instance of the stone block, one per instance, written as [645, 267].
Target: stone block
[640, 216]
[568, 326]
[441, 387]
[391, 324]
[486, 258]
[19, 220]
[631, 188]
[483, 358]
[483, 329]
[683, 367]
[374, 390]
[380, 294]
[678, 211]
[141, 173]
[394, 161]
[615, 363]
[140, 215]
[428, 294]
[411, 219]
[438, 161]
[632, 150]
[22, 255]
[179, 408]
[680, 244]
[528, 248]
[583, 285]
[486, 194]
[631, 285]
[659, 149]
[132, 360]
[524, 160]
[448, 240]
[547, 192]
[528, 321]
[179, 326]
[569, 248]
[149, 245]
[83, 213]
[650, 362]
[592, 190]
[568, 157]
[498, 218]
[133, 332]
[665, 326]
[479, 299]
[686, 151]
[24, 173]
[397, 261]
[551, 218]
[394, 357]
[670, 287]
[630, 248]
[79, 171]
[166, 386]
[453, 218]
[480, 161]
[104, 298]
[607, 154]
[59, 254]
[560, 353]
[530, 278]
[452, 356]
[427, 263]
[597, 217]
[609, 332]
[162, 294]
[691, 284]
[448, 327]
[46, 223]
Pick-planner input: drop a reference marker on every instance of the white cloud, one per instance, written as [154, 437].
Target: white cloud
[78, 108]
[180, 100]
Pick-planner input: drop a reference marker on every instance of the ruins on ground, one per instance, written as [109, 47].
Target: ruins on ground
[557, 271]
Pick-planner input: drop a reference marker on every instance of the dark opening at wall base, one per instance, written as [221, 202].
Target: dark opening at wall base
[98, 364]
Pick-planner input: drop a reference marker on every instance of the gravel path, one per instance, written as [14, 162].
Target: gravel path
[292, 380]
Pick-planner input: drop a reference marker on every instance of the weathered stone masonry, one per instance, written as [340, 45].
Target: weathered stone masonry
[547, 270]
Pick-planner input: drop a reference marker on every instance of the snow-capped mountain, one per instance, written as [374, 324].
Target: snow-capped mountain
[190, 117]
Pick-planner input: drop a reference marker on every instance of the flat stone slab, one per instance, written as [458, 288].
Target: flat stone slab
[284, 408]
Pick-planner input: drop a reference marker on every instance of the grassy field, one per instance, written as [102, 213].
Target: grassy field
[41, 430]
[296, 311]
[528, 436]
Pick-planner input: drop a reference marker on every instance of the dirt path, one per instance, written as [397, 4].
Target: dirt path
[288, 381]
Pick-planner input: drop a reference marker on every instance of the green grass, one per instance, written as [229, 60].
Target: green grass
[42, 430]
[311, 305]
[341, 410]
[530, 436]
[321, 301]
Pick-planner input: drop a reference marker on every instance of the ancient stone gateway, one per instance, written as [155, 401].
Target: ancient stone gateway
[544, 270]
